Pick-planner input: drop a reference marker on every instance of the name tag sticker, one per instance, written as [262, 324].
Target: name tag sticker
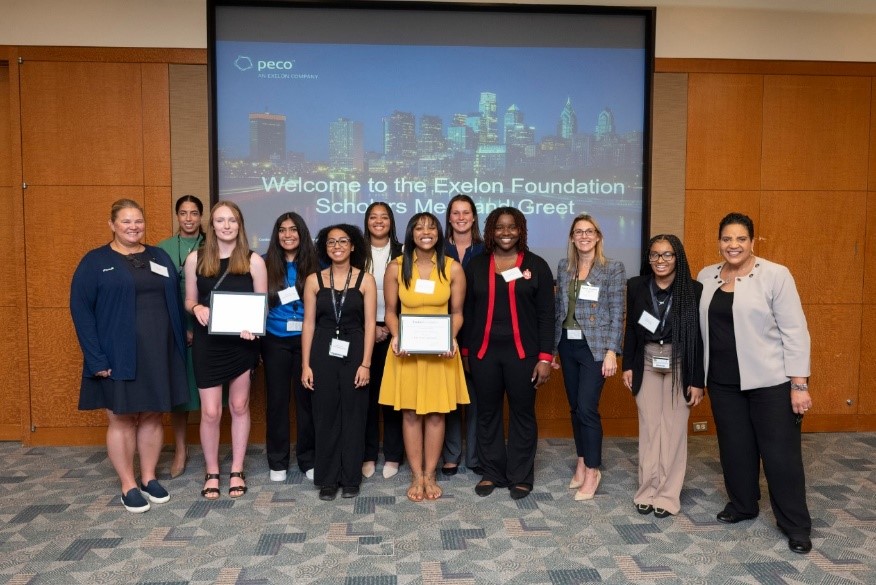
[660, 363]
[574, 334]
[159, 269]
[339, 348]
[588, 293]
[293, 325]
[512, 274]
[427, 287]
[288, 295]
[649, 321]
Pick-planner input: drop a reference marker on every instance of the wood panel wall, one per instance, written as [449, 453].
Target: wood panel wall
[790, 143]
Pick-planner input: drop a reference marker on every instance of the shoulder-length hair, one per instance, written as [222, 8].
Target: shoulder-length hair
[394, 244]
[493, 219]
[357, 241]
[572, 251]
[476, 237]
[198, 203]
[208, 256]
[408, 254]
[275, 257]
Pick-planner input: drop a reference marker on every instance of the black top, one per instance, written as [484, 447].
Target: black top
[351, 306]
[723, 362]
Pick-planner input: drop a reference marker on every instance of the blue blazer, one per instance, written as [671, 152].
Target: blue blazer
[602, 321]
[103, 306]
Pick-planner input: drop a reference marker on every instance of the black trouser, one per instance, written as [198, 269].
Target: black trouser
[502, 372]
[754, 426]
[282, 359]
[393, 444]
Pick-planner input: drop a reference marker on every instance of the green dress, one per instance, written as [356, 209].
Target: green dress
[179, 248]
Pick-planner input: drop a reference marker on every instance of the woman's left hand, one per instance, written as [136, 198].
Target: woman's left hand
[247, 335]
[541, 373]
[453, 349]
[609, 364]
[696, 395]
[801, 401]
[363, 377]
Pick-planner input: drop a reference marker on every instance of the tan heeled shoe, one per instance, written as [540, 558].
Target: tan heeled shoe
[589, 495]
[178, 470]
[575, 484]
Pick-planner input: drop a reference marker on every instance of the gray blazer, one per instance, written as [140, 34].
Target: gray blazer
[772, 338]
[603, 320]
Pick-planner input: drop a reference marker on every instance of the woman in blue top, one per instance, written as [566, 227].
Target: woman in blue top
[290, 258]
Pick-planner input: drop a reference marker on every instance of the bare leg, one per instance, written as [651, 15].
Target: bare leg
[434, 444]
[238, 404]
[150, 437]
[211, 415]
[121, 442]
[412, 431]
[180, 421]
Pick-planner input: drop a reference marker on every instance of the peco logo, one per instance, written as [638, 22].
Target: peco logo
[243, 63]
[276, 65]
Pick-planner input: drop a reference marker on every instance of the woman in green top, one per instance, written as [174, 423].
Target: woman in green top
[189, 210]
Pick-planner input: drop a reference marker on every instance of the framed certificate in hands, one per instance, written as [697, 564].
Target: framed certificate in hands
[234, 312]
[426, 334]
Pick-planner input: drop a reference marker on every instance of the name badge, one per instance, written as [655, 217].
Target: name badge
[512, 274]
[588, 293]
[159, 269]
[660, 363]
[649, 321]
[574, 334]
[288, 295]
[293, 325]
[427, 287]
[339, 348]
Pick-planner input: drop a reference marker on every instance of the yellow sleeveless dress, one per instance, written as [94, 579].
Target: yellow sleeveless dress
[424, 383]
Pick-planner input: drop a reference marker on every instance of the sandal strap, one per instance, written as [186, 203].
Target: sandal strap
[239, 474]
[210, 490]
[210, 476]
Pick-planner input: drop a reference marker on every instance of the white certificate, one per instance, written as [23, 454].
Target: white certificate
[233, 312]
[429, 334]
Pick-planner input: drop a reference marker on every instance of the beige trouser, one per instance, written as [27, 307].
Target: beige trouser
[663, 415]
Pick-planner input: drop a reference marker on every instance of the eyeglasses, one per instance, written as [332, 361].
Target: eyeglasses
[666, 256]
[589, 232]
[342, 242]
[135, 262]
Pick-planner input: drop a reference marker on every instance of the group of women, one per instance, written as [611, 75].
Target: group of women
[332, 343]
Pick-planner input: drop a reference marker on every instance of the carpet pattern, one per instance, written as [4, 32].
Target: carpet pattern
[61, 521]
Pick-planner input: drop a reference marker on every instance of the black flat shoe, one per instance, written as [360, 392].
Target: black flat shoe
[485, 488]
[661, 513]
[644, 509]
[801, 546]
[478, 470]
[448, 470]
[519, 491]
[350, 492]
[728, 517]
[328, 493]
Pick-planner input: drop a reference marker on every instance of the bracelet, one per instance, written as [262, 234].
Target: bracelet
[364, 366]
[804, 387]
[544, 362]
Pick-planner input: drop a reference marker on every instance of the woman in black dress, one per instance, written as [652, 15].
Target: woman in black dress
[224, 263]
[336, 347]
[124, 300]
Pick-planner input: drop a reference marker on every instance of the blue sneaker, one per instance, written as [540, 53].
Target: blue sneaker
[133, 501]
[155, 493]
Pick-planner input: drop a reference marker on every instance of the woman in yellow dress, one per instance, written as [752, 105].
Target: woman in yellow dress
[423, 386]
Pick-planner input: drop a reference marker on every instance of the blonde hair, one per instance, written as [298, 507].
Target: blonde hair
[572, 251]
[208, 256]
[121, 204]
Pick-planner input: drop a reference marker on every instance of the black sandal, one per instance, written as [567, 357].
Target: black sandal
[239, 490]
[208, 491]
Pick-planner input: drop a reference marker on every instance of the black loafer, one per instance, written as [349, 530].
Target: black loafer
[800, 546]
[448, 470]
[661, 513]
[728, 517]
[328, 493]
[519, 491]
[644, 509]
[485, 488]
[350, 492]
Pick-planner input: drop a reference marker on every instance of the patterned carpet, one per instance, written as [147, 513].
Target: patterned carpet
[62, 522]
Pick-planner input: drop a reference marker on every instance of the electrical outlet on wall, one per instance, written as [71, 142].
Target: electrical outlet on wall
[701, 427]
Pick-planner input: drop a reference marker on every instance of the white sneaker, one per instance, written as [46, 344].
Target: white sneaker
[309, 474]
[278, 475]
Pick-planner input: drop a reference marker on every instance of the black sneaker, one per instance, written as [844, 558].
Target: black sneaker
[134, 502]
[155, 493]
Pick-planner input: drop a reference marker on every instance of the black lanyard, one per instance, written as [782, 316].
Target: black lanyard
[339, 307]
[658, 305]
[181, 260]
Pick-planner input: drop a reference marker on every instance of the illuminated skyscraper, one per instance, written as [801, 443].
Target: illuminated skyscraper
[605, 123]
[346, 145]
[400, 137]
[431, 139]
[568, 124]
[267, 137]
[513, 118]
[488, 131]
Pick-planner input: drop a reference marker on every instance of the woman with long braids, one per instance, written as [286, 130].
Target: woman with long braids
[663, 368]
[290, 259]
[189, 210]
[383, 248]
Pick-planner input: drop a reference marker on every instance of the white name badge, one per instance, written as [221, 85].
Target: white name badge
[512, 274]
[427, 287]
[288, 295]
[159, 269]
[588, 293]
[649, 321]
[339, 348]
[293, 325]
[574, 334]
[660, 363]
